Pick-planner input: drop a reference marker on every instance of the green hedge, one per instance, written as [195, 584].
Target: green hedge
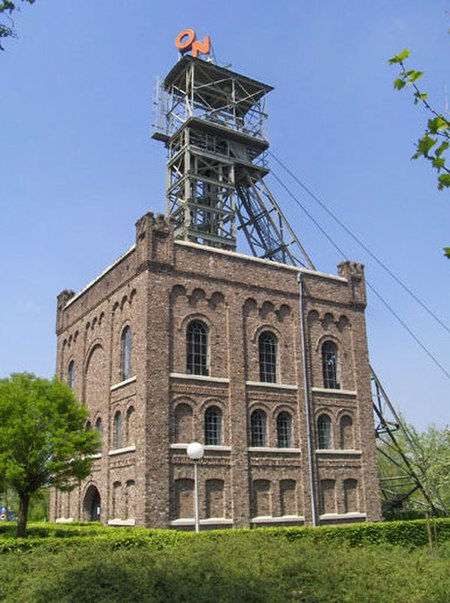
[256, 566]
[403, 533]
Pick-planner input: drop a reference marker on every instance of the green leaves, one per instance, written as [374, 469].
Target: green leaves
[7, 29]
[399, 58]
[438, 126]
[444, 182]
[43, 440]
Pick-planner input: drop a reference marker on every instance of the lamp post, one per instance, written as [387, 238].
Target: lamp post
[195, 452]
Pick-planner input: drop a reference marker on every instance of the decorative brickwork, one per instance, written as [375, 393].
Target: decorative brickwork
[141, 474]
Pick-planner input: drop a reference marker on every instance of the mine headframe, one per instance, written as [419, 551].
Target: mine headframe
[213, 123]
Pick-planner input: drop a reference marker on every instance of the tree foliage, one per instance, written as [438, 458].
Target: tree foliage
[7, 9]
[426, 455]
[43, 439]
[435, 141]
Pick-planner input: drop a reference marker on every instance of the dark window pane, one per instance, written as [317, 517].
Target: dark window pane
[213, 426]
[117, 430]
[71, 375]
[284, 430]
[126, 353]
[324, 431]
[258, 428]
[329, 365]
[268, 357]
[197, 349]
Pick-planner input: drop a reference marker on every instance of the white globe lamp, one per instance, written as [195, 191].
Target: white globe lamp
[195, 452]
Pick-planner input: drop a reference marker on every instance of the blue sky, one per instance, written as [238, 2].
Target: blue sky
[78, 166]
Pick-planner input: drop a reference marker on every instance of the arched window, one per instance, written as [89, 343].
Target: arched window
[284, 430]
[324, 432]
[267, 357]
[117, 442]
[196, 348]
[71, 375]
[330, 365]
[126, 343]
[258, 428]
[213, 426]
[99, 428]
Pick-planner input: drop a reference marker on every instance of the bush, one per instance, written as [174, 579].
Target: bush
[413, 533]
[249, 567]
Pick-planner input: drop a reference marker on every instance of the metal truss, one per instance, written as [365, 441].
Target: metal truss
[268, 233]
[201, 89]
[200, 188]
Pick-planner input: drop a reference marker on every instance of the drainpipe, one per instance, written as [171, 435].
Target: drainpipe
[311, 457]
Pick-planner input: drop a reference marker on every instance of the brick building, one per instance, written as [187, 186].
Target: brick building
[183, 339]
[266, 364]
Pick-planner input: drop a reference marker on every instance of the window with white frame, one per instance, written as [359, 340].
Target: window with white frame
[126, 345]
[268, 345]
[258, 428]
[330, 365]
[284, 430]
[197, 348]
[324, 432]
[213, 426]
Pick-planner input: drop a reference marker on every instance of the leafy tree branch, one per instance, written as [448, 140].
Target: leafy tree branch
[7, 8]
[435, 141]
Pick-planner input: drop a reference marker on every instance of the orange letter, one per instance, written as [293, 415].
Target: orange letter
[185, 45]
[203, 47]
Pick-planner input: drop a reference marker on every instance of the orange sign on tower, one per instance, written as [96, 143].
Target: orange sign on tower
[186, 41]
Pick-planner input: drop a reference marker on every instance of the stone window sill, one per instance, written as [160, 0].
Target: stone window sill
[122, 383]
[183, 446]
[222, 521]
[121, 450]
[271, 385]
[338, 451]
[121, 522]
[343, 516]
[199, 378]
[283, 519]
[334, 392]
[273, 450]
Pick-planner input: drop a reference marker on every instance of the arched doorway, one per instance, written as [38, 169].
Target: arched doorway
[92, 504]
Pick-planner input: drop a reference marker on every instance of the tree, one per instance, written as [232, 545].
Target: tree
[43, 438]
[7, 8]
[417, 457]
[435, 141]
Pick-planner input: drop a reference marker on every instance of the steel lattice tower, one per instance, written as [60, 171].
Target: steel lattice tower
[213, 122]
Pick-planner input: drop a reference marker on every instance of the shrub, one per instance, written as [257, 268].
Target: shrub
[245, 568]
